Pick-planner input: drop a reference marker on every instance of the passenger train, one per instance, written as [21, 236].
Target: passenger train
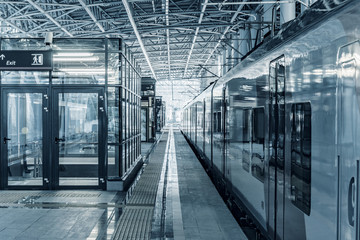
[280, 132]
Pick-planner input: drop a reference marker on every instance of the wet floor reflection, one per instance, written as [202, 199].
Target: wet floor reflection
[79, 204]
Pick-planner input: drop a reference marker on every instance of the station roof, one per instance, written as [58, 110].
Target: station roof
[173, 40]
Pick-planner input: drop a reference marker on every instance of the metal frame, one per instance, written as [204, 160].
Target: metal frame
[128, 92]
[101, 137]
[170, 38]
[46, 146]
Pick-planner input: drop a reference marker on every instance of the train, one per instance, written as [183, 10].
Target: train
[280, 132]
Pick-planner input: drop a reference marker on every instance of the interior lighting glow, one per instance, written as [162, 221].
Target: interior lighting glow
[73, 54]
[77, 59]
[84, 71]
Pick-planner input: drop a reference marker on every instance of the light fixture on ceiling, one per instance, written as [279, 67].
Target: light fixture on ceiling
[76, 59]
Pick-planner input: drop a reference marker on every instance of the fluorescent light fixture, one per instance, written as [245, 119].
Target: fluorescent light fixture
[77, 59]
[137, 34]
[73, 54]
[84, 71]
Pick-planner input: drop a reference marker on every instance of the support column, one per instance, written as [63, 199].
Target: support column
[219, 65]
[287, 12]
[244, 43]
[224, 67]
[303, 8]
[254, 28]
[248, 36]
[230, 54]
[267, 17]
[235, 54]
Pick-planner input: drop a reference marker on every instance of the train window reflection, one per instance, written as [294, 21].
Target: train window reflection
[258, 139]
[301, 156]
[245, 138]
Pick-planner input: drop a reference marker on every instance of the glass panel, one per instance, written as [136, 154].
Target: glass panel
[113, 115]
[301, 156]
[21, 77]
[143, 124]
[78, 139]
[114, 44]
[79, 68]
[113, 131]
[23, 44]
[25, 133]
[90, 44]
[113, 68]
[258, 147]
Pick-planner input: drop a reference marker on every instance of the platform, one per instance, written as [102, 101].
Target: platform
[185, 205]
[56, 215]
[172, 198]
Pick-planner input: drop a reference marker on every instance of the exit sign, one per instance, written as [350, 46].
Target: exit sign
[14, 60]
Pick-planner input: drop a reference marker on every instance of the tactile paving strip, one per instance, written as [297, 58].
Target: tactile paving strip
[135, 222]
[17, 197]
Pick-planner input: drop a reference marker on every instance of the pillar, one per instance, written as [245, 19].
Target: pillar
[287, 12]
[267, 17]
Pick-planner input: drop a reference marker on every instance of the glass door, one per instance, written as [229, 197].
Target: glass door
[23, 122]
[78, 137]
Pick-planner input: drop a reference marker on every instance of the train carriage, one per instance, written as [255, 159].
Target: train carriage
[280, 130]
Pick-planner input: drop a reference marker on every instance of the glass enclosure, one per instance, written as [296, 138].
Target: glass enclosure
[78, 139]
[124, 109]
[75, 126]
[24, 138]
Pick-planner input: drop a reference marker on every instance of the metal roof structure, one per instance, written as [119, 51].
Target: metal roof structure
[173, 40]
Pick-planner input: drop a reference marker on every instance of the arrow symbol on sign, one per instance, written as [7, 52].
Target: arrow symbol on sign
[2, 56]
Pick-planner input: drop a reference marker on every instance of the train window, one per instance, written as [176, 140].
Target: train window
[301, 156]
[258, 140]
[258, 130]
[217, 122]
[246, 145]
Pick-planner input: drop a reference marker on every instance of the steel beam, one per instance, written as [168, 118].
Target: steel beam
[195, 36]
[133, 24]
[92, 16]
[223, 35]
[35, 5]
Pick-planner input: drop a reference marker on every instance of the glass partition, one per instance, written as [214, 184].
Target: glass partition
[91, 44]
[22, 77]
[78, 139]
[79, 68]
[24, 138]
[97, 65]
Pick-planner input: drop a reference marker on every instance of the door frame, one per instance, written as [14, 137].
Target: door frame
[102, 132]
[275, 219]
[346, 189]
[46, 165]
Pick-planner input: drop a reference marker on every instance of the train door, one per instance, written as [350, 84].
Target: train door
[78, 138]
[24, 151]
[276, 148]
[348, 141]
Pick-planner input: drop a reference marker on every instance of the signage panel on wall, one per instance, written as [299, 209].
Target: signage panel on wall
[14, 60]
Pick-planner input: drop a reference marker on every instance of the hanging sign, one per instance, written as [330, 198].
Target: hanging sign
[14, 60]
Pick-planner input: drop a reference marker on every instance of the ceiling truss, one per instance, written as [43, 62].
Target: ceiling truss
[169, 38]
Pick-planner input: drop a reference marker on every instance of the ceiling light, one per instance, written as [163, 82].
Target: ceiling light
[78, 59]
[73, 54]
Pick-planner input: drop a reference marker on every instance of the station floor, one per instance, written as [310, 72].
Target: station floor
[172, 198]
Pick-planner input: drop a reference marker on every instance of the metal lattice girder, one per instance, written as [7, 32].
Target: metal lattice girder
[169, 38]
